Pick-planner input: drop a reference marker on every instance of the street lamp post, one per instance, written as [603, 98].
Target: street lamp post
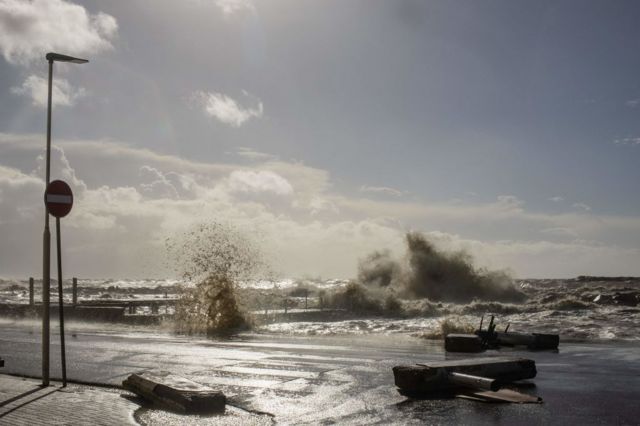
[46, 244]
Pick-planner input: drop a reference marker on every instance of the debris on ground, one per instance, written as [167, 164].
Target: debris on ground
[482, 379]
[175, 393]
[492, 339]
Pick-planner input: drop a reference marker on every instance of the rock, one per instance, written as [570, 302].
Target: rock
[626, 299]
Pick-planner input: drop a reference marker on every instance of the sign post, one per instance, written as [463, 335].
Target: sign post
[59, 200]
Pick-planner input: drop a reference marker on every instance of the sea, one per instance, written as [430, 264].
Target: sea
[582, 309]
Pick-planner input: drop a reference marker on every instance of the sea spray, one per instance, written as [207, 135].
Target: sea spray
[427, 272]
[213, 258]
[446, 326]
[357, 299]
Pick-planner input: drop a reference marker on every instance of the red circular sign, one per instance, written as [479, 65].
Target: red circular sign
[58, 198]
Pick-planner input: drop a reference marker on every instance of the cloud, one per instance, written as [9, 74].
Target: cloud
[582, 206]
[632, 103]
[226, 109]
[259, 181]
[556, 199]
[253, 155]
[29, 29]
[319, 205]
[232, 7]
[15, 185]
[510, 203]
[36, 88]
[546, 259]
[157, 184]
[561, 232]
[129, 200]
[627, 141]
[382, 190]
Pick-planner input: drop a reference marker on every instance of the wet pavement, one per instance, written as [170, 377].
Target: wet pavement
[343, 380]
[25, 402]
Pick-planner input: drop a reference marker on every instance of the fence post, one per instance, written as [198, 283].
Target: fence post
[31, 295]
[75, 291]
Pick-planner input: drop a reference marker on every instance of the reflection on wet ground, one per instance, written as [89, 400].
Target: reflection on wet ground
[344, 380]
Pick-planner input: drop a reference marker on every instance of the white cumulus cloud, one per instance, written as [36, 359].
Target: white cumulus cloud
[259, 181]
[129, 200]
[226, 109]
[29, 29]
[35, 88]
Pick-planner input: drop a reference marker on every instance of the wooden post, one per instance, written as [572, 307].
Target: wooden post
[285, 305]
[306, 295]
[75, 291]
[31, 295]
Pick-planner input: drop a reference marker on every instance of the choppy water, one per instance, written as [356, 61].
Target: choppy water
[579, 310]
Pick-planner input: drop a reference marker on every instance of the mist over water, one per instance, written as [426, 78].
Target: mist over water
[426, 272]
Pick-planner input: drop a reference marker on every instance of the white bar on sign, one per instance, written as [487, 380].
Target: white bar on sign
[59, 199]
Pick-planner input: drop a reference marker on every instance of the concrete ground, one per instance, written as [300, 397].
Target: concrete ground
[23, 401]
[26, 402]
[342, 380]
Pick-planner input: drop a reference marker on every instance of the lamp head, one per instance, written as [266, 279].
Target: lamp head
[57, 57]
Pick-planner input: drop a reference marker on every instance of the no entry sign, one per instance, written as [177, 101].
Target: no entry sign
[58, 198]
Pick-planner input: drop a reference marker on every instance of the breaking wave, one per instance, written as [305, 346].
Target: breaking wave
[602, 310]
[426, 272]
[213, 258]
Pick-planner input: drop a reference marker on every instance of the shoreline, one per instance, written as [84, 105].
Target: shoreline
[165, 328]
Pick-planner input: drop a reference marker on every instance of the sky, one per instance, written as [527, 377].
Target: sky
[325, 130]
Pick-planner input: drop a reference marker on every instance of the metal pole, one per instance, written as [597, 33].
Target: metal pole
[75, 291]
[61, 305]
[46, 247]
[31, 292]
